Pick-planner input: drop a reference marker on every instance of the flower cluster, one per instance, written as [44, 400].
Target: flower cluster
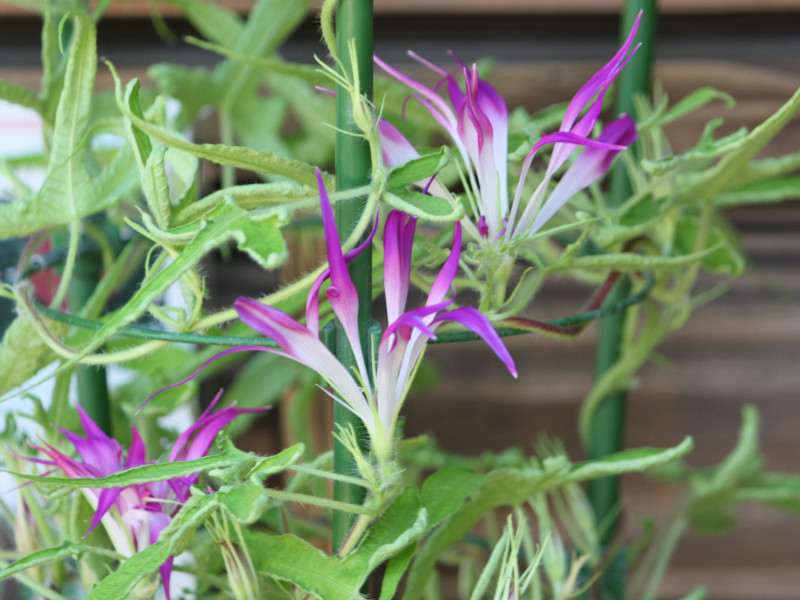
[134, 515]
[375, 397]
[476, 120]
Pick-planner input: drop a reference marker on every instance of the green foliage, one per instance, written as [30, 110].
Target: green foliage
[423, 506]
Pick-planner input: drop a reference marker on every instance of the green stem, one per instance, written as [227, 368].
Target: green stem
[344, 507]
[146, 333]
[69, 264]
[353, 169]
[609, 422]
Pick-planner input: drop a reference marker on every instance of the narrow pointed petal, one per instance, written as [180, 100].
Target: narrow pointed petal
[477, 322]
[105, 500]
[523, 225]
[137, 451]
[433, 102]
[398, 241]
[312, 303]
[301, 345]
[413, 319]
[592, 164]
[591, 95]
[396, 149]
[444, 280]
[341, 293]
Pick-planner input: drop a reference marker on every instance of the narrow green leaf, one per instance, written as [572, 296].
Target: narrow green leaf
[120, 582]
[402, 524]
[67, 193]
[215, 22]
[269, 23]
[247, 197]
[261, 239]
[445, 491]
[289, 558]
[725, 258]
[149, 473]
[395, 569]
[194, 87]
[628, 261]
[23, 352]
[700, 593]
[628, 461]
[429, 208]
[731, 169]
[744, 461]
[237, 156]
[17, 94]
[271, 465]
[41, 557]
[696, 99]
[761, 192]
[419, 169]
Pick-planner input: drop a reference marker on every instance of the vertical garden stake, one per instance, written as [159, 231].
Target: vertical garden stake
[353, 22]
[609, 421]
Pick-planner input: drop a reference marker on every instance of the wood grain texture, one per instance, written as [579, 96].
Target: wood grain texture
[143, 8]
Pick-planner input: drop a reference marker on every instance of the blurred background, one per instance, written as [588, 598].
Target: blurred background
[743, 348]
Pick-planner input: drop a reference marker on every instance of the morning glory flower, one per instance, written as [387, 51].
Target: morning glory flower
[134, 515]
[376, 398]
[475, 117]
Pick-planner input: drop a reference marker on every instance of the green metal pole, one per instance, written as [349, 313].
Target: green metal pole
[609, 422]
[353, 169]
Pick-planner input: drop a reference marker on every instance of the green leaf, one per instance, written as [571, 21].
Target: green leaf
[261, 239]
[700, 593]
[275, 464]
[237, 156]
[40, 557]
[445, 491]
[696, 99]
[120, 582]
[706, 150]
[513, 487]
[743, 462]
[289, 558]
[151, 472]
[270, 22]
[194, 87]
[419, 169]
[402, 524]
[247, 197]
[23, 352]
[22, 96]
[628, 461]
[731, 169]
[395, 569]
[429, 208]
[629, 261]
[67, 192]
[215, 22]
[761, 192]
[724, 258]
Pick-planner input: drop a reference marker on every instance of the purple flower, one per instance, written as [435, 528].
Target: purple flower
[134, 515]
[476, 119]
[377, 399]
